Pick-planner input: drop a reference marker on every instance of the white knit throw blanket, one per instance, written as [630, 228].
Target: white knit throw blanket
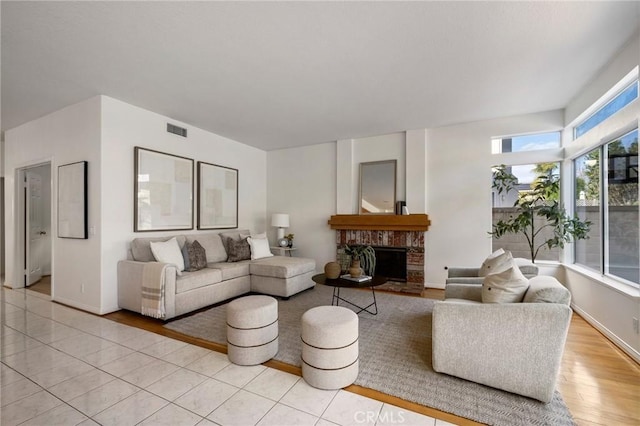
[153, 276]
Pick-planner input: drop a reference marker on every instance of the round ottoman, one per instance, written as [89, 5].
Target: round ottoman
[329, 347]
[252, 329]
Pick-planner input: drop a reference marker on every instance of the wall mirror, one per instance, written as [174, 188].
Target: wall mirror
[378, 187]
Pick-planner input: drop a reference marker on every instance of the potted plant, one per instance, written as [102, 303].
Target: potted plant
[543, 202]
[289, 238]
[364, 256]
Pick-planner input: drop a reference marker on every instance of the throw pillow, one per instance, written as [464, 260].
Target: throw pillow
[168, 252]
[197, 256]
[493, 262]
[238, 250]
[508, 285]
[185, 256]
[259, 248]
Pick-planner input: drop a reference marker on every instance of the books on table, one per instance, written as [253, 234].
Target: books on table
[360, 279]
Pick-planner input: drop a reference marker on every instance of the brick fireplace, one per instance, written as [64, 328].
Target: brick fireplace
[405, 232]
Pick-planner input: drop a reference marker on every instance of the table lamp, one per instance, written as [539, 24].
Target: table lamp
[281, 221]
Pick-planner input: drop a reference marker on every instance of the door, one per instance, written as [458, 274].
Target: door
[34, 226]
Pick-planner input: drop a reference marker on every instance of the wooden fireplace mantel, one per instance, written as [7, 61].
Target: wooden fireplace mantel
[381, 222]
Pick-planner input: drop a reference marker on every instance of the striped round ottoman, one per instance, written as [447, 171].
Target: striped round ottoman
[252, 329]
[329, 347]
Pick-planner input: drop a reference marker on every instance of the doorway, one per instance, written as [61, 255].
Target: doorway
[35, 227]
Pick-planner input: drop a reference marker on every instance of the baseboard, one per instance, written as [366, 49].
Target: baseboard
[75, 304]
[635, 355]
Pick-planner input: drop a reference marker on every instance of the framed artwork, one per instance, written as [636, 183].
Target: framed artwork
[217, 196]
[163, 191]
[72, 200]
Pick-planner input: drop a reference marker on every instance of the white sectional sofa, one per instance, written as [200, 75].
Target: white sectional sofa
[219, 281]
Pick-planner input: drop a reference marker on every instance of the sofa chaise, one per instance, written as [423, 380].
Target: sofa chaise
[185, 291]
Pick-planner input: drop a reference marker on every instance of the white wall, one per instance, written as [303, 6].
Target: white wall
[65, 136]
[458, 165]
[302, 183]
[125, 126]
[104, 131]
[2, 233]
[416, 172]
[351, 152]
[625, 61]
[378, 148]
[607, 304]
[315, 182]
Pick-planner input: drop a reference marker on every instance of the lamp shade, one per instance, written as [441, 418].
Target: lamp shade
[281, 220]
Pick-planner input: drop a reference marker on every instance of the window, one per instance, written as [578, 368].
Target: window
[526, 176]
[525, 142]
[587, 207]
[607, 195]
[616, 104]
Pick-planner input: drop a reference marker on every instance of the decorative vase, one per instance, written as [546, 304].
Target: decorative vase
[332, 270]
[355, 271]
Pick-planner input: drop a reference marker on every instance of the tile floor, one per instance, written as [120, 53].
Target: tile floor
[60, 366]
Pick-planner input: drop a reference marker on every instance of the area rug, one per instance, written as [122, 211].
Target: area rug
[395, 357]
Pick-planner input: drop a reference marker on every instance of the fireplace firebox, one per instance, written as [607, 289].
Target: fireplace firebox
[391, 262]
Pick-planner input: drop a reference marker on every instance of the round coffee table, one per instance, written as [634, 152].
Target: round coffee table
[339, 283]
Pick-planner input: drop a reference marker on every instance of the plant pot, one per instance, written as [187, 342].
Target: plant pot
[332, 270]
[355, 271]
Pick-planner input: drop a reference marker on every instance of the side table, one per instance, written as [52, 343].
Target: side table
[283, 251]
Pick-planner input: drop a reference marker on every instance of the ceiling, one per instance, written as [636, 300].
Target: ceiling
[285, 74]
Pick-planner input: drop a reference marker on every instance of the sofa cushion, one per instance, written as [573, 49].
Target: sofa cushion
[493, 262]
[527, 267]
[197, 256]
[192, 280]
[215, 250]
[281, 266]
[505, 286]
[141, 248]
[545, 289]
[231, 270]
[238, 250]
[259, 248]
[168, 252]
[262, 235]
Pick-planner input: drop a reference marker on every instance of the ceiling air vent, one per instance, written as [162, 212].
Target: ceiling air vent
[176, 130]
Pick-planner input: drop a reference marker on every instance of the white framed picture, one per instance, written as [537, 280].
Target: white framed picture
[163, 191]
[217, 196]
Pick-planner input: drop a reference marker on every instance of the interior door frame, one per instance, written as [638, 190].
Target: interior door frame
[38, 259]
[20, 235]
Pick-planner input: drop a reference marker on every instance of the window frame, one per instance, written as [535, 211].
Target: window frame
[610, 100]
[601, 146]
[496, 142]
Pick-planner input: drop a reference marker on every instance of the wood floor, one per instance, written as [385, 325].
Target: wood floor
[599, 383]
[42, 286]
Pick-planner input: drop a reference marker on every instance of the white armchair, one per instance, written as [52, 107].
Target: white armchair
[471, 275]
[516, 347]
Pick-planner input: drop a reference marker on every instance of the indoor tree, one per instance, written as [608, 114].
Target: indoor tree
[543, 202]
